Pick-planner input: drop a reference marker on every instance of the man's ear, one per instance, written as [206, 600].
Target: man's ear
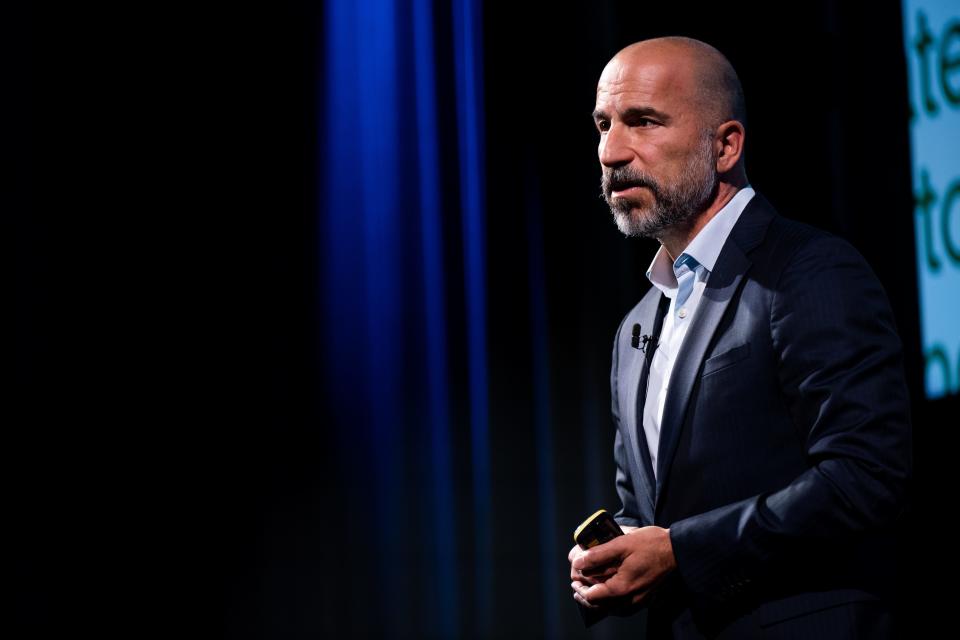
[730, 137]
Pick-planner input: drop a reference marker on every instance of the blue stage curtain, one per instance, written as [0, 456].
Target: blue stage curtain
[403, 274]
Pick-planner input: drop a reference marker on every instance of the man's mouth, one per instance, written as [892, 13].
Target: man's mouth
[625, 190]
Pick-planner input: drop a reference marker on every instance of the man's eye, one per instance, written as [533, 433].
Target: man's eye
[603, 125]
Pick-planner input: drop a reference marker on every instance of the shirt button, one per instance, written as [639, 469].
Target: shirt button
[683, 312]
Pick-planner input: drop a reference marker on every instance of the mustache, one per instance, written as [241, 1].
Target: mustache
[623, 178]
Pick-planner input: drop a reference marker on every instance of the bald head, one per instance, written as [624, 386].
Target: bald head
[709, 77]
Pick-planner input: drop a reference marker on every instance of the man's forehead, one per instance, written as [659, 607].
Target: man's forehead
[652, 78]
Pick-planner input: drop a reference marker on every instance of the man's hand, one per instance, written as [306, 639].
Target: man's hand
[596, 576]
[624, 571]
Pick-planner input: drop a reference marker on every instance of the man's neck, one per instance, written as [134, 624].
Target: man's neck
[677, 239]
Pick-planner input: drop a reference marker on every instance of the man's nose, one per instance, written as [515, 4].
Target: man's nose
[614, 149]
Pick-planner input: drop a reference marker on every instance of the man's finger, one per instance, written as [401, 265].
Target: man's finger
[592, 578]
[598, 556]
[602, 592]
[575, 574]
[616, 597]
[579, 598]
[578, 587]
[600, 573]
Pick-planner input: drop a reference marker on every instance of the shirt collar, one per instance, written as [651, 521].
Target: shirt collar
[705, 246]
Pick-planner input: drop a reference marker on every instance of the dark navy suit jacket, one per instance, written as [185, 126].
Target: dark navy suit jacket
[785, 449]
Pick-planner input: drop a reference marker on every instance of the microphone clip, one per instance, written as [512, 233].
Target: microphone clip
[640, 342]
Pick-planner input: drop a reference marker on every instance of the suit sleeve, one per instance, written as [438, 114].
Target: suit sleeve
[629, 512]
[839, 365]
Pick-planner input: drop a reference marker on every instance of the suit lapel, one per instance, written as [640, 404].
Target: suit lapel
[732, 264]
[649, 315]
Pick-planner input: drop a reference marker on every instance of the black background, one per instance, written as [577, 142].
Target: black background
[170, 405]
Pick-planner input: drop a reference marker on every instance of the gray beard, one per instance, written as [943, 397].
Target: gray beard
[675, 207]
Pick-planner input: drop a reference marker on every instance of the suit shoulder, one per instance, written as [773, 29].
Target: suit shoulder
[790, 232]
[791, 240]
[810, 262]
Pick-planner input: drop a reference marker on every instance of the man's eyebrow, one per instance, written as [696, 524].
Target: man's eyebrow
[632, 113]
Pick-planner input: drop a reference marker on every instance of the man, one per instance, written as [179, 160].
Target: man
[763, 444]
